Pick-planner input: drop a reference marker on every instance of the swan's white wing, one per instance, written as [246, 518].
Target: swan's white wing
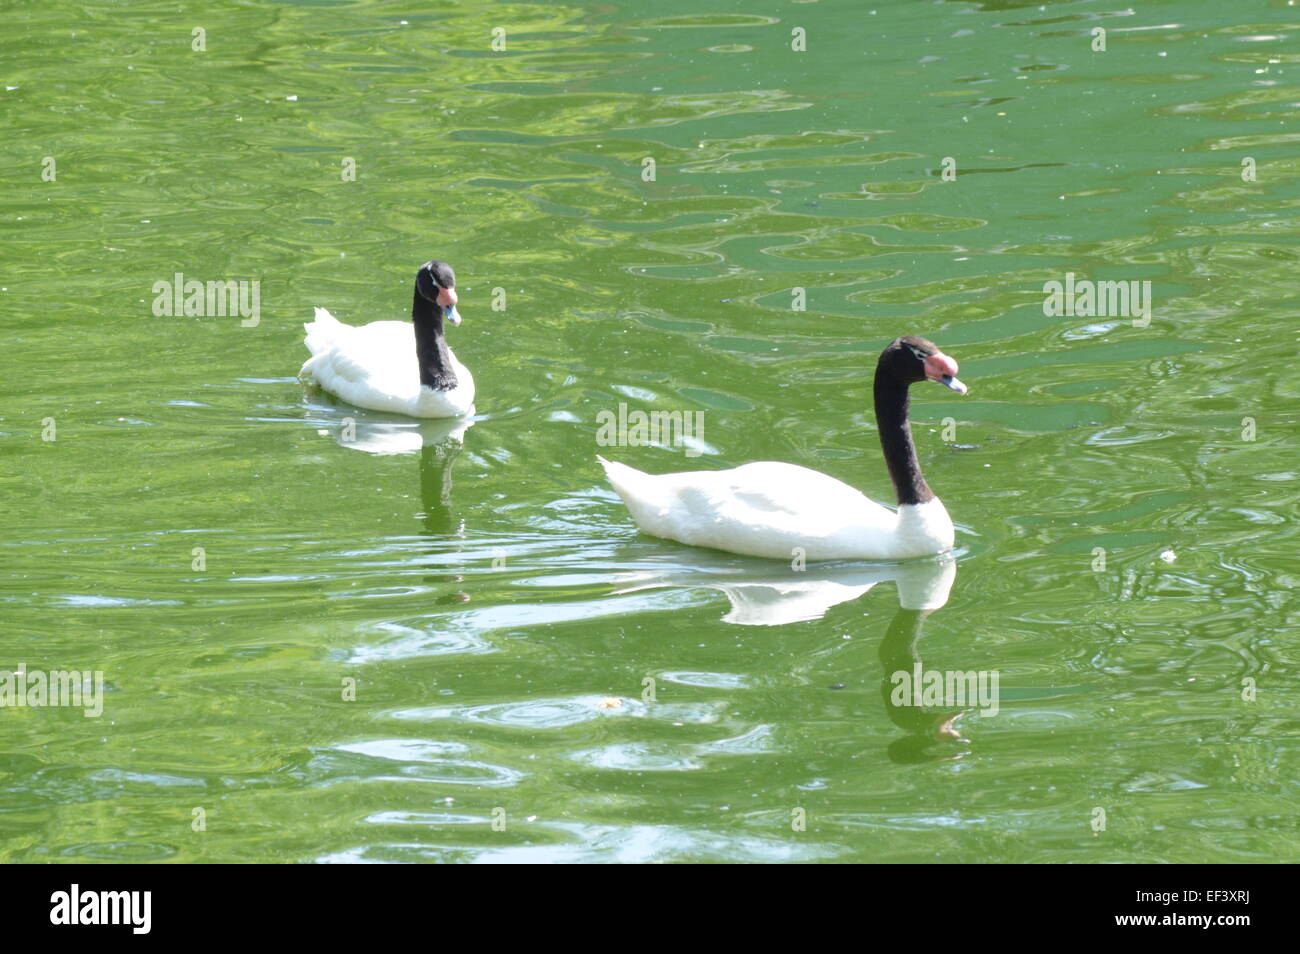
[767, 509]
[382, 352]
[372, 366]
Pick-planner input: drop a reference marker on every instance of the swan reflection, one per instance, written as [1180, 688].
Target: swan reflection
[389, 434]
[767, 594]
[932, 732]
[763, 593]
[438, 442]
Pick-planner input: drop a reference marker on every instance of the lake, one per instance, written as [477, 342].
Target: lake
[332, 635]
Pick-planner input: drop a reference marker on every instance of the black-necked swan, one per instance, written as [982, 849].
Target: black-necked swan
[784, 511]
[393, 366]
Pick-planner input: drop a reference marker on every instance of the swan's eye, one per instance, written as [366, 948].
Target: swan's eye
[916, 352]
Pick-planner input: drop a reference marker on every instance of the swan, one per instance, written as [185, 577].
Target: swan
[393, 366]
[783, 511]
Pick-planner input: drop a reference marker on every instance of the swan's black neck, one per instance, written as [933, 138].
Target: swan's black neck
[430, 346]
[896, 438]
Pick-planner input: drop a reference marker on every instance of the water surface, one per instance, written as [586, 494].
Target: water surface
[488, 597]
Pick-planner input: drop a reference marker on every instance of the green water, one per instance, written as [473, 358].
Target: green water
[492, 601]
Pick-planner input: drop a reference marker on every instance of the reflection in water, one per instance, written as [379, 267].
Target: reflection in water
[377, 433]
[932, 732]
[435, 487]
[763, 596]
[439, 442]
[766, 594]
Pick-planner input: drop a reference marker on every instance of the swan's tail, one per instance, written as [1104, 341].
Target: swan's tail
[641, 493]
[322, 335]
[323, 332]
[621, 476]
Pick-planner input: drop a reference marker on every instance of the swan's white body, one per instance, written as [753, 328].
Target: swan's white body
[780, 511]
[375, 366]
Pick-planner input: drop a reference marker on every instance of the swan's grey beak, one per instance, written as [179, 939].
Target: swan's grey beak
[451, 315]
[948, 381]
[939, 367]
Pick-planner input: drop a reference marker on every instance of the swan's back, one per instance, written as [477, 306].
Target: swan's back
[765, 509]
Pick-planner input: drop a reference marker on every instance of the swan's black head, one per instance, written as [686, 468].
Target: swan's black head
[913, 358]
[436, 282]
